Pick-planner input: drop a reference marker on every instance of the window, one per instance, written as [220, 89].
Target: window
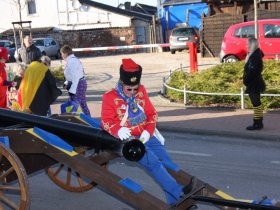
[245, 32]
[271, 31]
[53, 42]
[183, 32]
[31, 7]
[48, 42]
[38, 42]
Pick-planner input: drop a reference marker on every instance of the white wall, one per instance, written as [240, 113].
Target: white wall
[93, 18]
[46, 13]
[60, 14]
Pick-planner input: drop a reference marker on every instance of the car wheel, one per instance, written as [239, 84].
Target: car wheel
[44, 53]
[173, 51]
[230, 59]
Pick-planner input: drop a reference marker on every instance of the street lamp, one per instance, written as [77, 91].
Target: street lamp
[256, 18]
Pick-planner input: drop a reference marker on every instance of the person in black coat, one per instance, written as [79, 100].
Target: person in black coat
[29, 52]
[252, 79]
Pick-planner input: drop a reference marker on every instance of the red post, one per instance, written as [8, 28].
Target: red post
[193, 56]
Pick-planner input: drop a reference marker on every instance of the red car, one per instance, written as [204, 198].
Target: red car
[234, 46]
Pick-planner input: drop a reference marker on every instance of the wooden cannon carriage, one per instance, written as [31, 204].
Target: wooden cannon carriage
[59, 144]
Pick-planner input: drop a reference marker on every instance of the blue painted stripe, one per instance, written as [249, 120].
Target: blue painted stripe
[5, 140]
[130, 184]
[93, 122]
[53, 139]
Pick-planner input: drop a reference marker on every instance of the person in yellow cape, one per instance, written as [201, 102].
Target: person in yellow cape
[38, 88]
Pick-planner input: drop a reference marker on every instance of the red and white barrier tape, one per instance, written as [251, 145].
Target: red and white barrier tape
[127, 47]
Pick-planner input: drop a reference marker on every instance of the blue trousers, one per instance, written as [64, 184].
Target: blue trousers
[154, 162]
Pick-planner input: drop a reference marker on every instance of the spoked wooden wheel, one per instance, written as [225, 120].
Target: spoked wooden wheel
[67, 179]
[14, 186]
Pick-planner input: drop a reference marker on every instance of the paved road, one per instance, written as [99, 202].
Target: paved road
[244, 169]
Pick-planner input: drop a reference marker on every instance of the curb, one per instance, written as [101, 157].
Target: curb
[252, 136]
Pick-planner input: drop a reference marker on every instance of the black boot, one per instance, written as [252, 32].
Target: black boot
[257, 125]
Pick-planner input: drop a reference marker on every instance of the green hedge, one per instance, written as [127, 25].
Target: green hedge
[58, 73]
[224, 78]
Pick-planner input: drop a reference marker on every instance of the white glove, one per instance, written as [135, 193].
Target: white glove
[124, 133]
[145, 136]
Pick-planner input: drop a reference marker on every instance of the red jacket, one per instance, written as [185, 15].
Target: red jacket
[3, 87]
[114, 108]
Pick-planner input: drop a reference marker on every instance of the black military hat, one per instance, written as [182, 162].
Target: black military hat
[130, 72]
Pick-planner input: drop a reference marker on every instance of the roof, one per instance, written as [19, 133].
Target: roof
[33, 30]
[178, 2]
[140, 8]
[129, 13]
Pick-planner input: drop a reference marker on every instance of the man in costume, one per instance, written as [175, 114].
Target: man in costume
[128, 113]
[37, 89]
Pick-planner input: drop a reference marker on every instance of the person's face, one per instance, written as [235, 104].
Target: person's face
[129, 90]
[64, 55]
[48, 63]
[27, 41]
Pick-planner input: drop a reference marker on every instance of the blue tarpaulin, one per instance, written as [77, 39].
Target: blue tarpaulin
[177, 15]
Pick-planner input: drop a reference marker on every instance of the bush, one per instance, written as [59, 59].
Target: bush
[58, 73]
[224, 78]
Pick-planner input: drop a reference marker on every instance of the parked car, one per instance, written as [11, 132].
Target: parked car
[234, 45]
[182, 35]
[48, 46]
[11, 48]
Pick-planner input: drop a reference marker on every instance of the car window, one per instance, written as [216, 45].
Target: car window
[48, 42]
[183, 32]
[53, 42]
[271, 31]
[5, 44]
[38, 42]
[245, 32]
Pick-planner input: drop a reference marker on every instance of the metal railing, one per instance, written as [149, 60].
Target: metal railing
[241, 94]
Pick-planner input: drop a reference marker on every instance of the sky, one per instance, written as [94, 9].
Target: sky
[115, 3]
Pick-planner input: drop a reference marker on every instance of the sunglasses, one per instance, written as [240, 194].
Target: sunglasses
[131, 89]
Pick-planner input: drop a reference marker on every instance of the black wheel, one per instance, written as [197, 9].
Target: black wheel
[230, 59]
[173, 51]
[44, 53]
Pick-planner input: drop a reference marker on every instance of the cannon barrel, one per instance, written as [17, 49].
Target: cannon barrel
[72, 133]
[76, 134]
